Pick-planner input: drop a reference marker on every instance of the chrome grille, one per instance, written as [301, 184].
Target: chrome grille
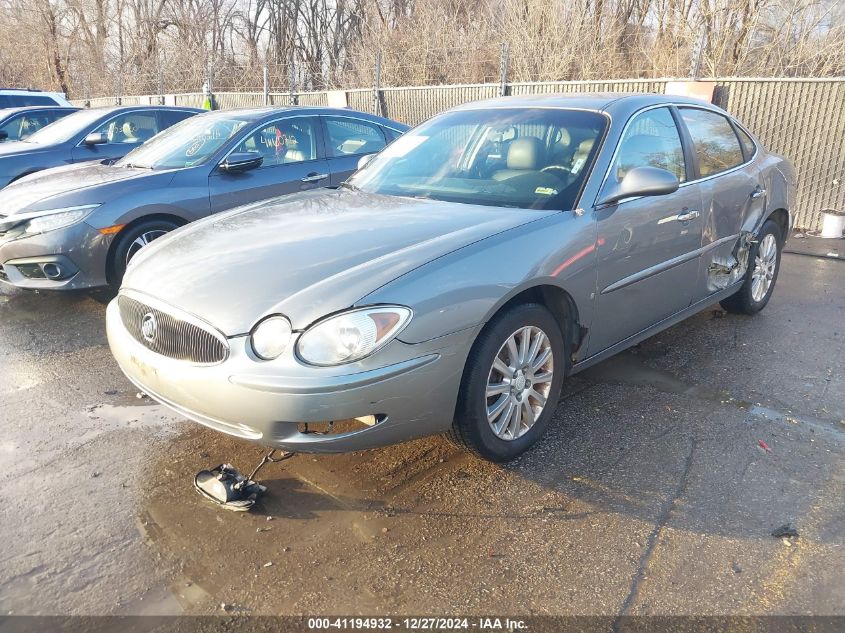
[172, 337]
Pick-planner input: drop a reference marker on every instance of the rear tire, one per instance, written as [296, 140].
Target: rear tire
[762, 274]
[130, 241]
[511, 384]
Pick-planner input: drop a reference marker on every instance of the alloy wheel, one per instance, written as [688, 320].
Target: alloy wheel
[141, 241]
[764, 267]
[519, 382]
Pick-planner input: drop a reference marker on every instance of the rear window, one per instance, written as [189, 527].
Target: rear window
[172, 117]
[716, 145]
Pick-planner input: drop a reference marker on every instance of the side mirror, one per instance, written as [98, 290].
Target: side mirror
[96, 138]
[239, 162]
[641, 181]
[365, 160]
[3, 135]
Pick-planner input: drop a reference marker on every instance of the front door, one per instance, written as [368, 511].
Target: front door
[293, 161]
[647, 247]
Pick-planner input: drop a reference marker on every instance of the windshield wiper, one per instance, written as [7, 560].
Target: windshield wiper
[136, 166]
[350, 186]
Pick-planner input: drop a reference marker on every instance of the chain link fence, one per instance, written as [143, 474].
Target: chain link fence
[803, 119]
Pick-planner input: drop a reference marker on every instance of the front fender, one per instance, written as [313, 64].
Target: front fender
[467, 287]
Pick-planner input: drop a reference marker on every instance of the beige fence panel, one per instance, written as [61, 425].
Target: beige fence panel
[569, 87]
[805, 121]
[414, 105]
[189, 99]
[228, 100]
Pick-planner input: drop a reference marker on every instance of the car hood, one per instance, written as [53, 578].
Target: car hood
[306, 255]
[62, 186]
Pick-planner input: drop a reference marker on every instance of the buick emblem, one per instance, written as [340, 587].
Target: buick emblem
[149, 327]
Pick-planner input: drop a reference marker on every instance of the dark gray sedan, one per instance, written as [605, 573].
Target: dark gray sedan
[456, 280]
[101, 134]
[78, 226]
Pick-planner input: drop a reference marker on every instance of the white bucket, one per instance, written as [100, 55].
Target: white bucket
[832, 225]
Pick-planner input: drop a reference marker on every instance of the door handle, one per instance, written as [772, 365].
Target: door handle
[314, 177]
[759, 192]
[687, 216]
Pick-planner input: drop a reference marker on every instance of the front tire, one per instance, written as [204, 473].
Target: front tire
[130, 241]
[511, 384]
[762, 273]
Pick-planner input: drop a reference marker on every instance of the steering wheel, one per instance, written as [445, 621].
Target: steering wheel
[567, 171]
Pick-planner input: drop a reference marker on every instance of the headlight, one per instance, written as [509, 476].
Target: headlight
[43, 221]
[270, 337]
[351, 336]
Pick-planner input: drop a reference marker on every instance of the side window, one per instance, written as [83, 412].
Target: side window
[651, 140]
[21, 100]
[35, 100]
[715, 143]
[132, 127]
[23, 125]
[13, 127]
[349, 137]
[284, 142]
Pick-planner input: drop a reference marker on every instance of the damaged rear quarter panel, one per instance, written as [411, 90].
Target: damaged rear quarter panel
[733, 218]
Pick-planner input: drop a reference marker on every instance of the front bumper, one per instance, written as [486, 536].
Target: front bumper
[79, 251]
[412, 389]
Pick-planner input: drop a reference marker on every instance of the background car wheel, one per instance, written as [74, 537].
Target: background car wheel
[511, 384]
[133, 239]
[763, 267]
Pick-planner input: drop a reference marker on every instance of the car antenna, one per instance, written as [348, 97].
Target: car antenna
[229, 488]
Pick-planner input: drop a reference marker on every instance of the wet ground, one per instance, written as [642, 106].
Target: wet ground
[655, 492]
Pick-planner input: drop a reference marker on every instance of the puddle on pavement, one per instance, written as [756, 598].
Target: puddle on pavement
[331, 513]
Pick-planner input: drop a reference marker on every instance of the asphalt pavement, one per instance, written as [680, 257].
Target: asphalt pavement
[655, 491]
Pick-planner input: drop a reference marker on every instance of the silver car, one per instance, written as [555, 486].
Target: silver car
[456, 280]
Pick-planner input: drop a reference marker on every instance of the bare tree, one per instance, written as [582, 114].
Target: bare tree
[143, 46]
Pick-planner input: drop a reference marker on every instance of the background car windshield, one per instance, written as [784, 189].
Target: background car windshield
[66, 128]
[188, 143]
[527, 158]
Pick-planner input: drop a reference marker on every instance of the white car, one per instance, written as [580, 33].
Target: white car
[14, 98]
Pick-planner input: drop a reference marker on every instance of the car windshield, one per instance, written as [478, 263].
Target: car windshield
[191, 142]
[533, 158]
[66, 128]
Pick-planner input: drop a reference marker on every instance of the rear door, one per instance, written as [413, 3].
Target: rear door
[731, 192]
[347, 140]
[124, 132]
[648, 246]
[293, 161]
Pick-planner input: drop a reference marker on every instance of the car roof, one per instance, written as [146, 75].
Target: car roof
[597, 101]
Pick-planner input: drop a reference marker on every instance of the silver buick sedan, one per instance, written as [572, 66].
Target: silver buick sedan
[455, 281]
